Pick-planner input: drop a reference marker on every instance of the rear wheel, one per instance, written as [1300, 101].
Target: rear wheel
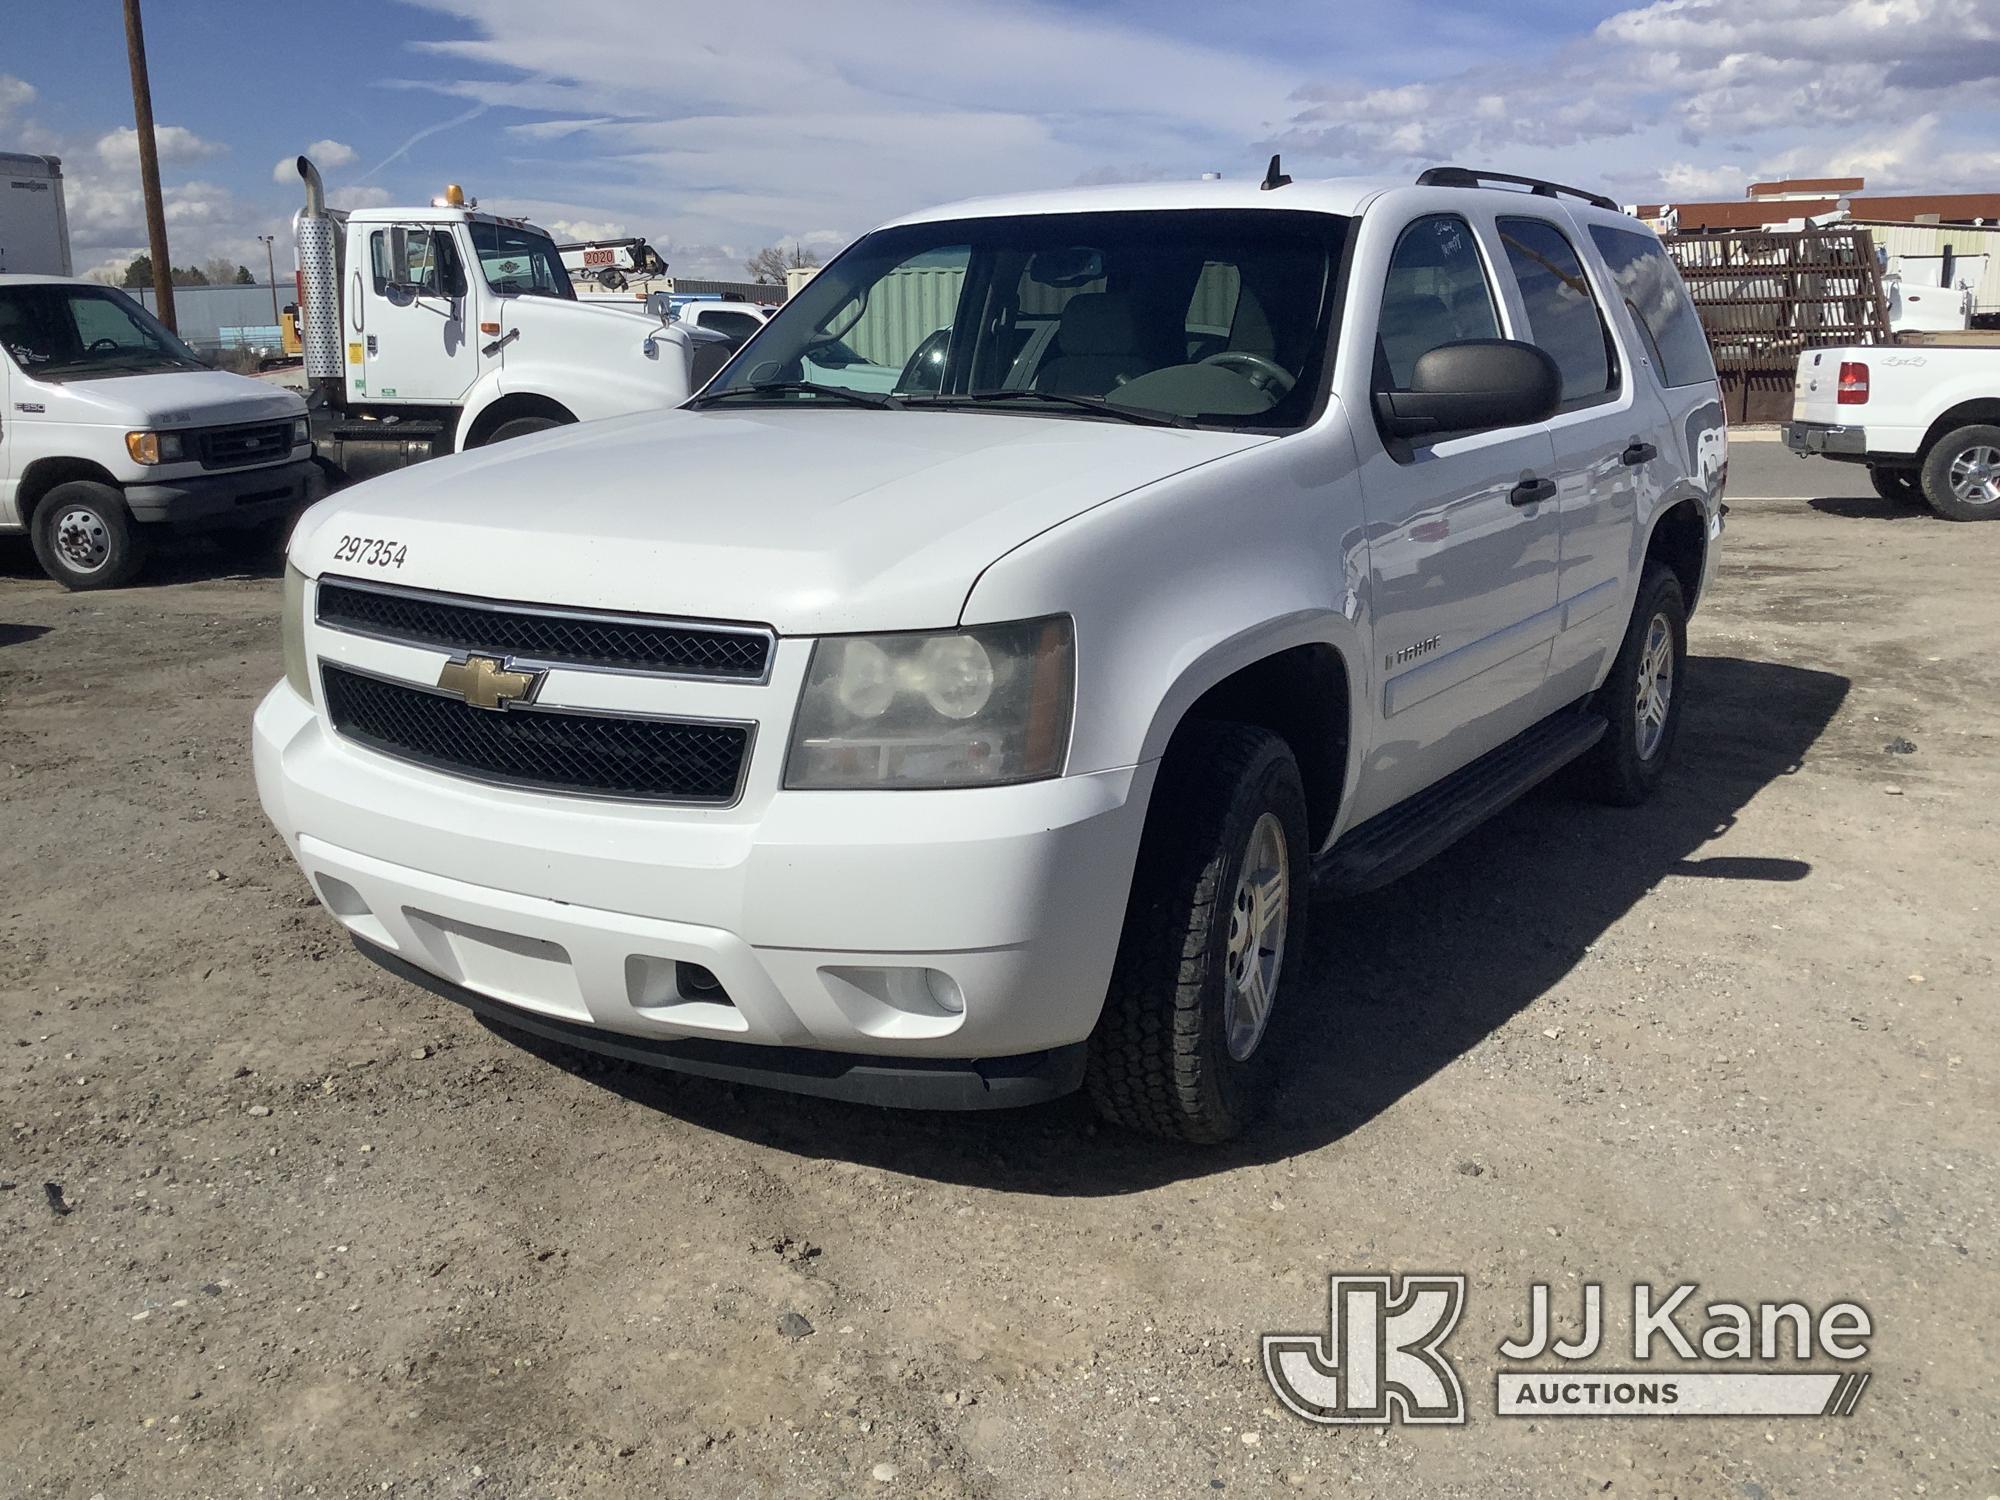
[1961, 474]
[1214, 929]
[1641, 699]
[85, 538]
[1897, 486]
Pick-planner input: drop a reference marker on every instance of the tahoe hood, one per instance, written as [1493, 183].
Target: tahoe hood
[813, 521]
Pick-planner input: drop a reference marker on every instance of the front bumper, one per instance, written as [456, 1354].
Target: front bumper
[923, 927]
[1825, 440]
[241, 497]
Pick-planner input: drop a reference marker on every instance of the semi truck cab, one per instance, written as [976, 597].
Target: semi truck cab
[432, 330]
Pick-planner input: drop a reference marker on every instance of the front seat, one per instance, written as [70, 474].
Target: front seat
[1096, 347]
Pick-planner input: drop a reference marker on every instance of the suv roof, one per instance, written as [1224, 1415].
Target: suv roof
[1328, 195]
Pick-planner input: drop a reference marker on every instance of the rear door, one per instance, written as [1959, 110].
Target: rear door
[1606, 437]
[1462, 564]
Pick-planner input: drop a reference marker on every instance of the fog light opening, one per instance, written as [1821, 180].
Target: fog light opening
[696, 982]
[945, 992]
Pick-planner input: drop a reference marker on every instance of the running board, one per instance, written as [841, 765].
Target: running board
[1392, 844]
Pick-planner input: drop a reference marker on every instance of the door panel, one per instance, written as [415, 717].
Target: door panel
[1462, 579]
[424, 350]
[1610, 414]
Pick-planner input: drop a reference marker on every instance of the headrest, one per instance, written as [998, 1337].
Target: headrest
[1097, 323]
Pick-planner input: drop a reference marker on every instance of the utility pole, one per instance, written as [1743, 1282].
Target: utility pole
[149, 166]
[271, 264]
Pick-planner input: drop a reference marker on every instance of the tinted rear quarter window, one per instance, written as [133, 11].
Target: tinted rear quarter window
[1562, 314]
[1651, 286]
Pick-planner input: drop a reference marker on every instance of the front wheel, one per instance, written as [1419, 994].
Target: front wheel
[1961, 474]
[1641, 699]
[85, 538]
[1213, 941]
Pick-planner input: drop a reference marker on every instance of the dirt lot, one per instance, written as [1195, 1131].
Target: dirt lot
[323, 1234]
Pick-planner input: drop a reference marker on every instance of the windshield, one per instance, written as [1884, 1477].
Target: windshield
[1220, 317]
[520, 261]
[60, 331]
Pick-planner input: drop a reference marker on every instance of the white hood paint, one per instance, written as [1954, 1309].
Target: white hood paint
[811, 521]
[173, 398]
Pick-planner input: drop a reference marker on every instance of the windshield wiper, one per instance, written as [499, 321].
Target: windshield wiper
[1144, 415]
[800, 388]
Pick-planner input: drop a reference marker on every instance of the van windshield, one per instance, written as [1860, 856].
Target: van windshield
[1198, 317]
[61, 331]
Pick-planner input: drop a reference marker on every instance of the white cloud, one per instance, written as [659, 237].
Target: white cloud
[328, 156]
[175, 144]
[571, 231]
[15, 94]
[821, 118]
[1713, 71]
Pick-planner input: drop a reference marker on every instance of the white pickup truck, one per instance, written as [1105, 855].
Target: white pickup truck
[1924, 418]
[964, 742]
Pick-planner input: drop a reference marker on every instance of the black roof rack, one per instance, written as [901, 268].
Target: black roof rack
[1472, 177]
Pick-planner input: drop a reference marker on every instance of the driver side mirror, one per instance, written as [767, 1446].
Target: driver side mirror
[401, 293]
[1472, 386]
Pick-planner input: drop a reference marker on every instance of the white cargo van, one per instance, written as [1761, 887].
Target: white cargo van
[112, 429]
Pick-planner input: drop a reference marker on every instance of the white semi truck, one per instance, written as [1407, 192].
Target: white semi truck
[34, 224]
[432, 330]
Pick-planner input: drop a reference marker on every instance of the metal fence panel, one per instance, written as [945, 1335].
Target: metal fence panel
[1764, 297]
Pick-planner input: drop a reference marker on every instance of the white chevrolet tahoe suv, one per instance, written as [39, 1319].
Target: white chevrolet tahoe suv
[965, 743]
[1924, 418]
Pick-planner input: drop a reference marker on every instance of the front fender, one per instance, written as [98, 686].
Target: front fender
[612, 383]
[1178, 585]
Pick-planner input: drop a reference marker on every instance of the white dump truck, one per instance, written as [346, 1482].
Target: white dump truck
[436, 329]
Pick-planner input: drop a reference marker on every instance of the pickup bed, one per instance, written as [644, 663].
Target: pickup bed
[1924, 417]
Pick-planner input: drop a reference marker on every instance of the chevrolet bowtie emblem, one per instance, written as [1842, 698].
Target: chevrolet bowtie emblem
[485, 682]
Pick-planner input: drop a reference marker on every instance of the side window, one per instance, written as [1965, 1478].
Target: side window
[1652, 288]
[426, 265]
[1562, 315]
[738, 325]
[1435, 293]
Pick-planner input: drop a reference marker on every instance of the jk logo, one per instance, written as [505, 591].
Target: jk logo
[1380, 1360]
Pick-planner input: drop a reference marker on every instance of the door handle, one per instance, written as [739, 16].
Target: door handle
[1532, 492]
[1638, 453]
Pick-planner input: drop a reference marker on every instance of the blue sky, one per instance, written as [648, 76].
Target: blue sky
[715, 131]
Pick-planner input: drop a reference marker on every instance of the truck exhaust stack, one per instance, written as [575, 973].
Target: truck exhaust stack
[319, 281]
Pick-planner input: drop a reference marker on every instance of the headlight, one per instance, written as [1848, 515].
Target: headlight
[980, 707]
[292, 627]
[301, 432]
[154, 447]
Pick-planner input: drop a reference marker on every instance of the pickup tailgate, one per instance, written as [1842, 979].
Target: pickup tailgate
[1817, 398]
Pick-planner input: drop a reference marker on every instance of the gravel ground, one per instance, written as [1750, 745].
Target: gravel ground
[315, 1232]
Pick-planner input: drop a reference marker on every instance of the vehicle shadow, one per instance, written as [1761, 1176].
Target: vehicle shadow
[175, 560]
[1400, 982]
[15, 635]
[1873, 508]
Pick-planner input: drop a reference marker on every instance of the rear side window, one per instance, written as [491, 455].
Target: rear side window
[1562, 315]
[1652, 288]
[1435, 293]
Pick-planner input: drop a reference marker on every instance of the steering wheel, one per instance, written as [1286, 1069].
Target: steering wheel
[96, 344]
[1266, 374]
